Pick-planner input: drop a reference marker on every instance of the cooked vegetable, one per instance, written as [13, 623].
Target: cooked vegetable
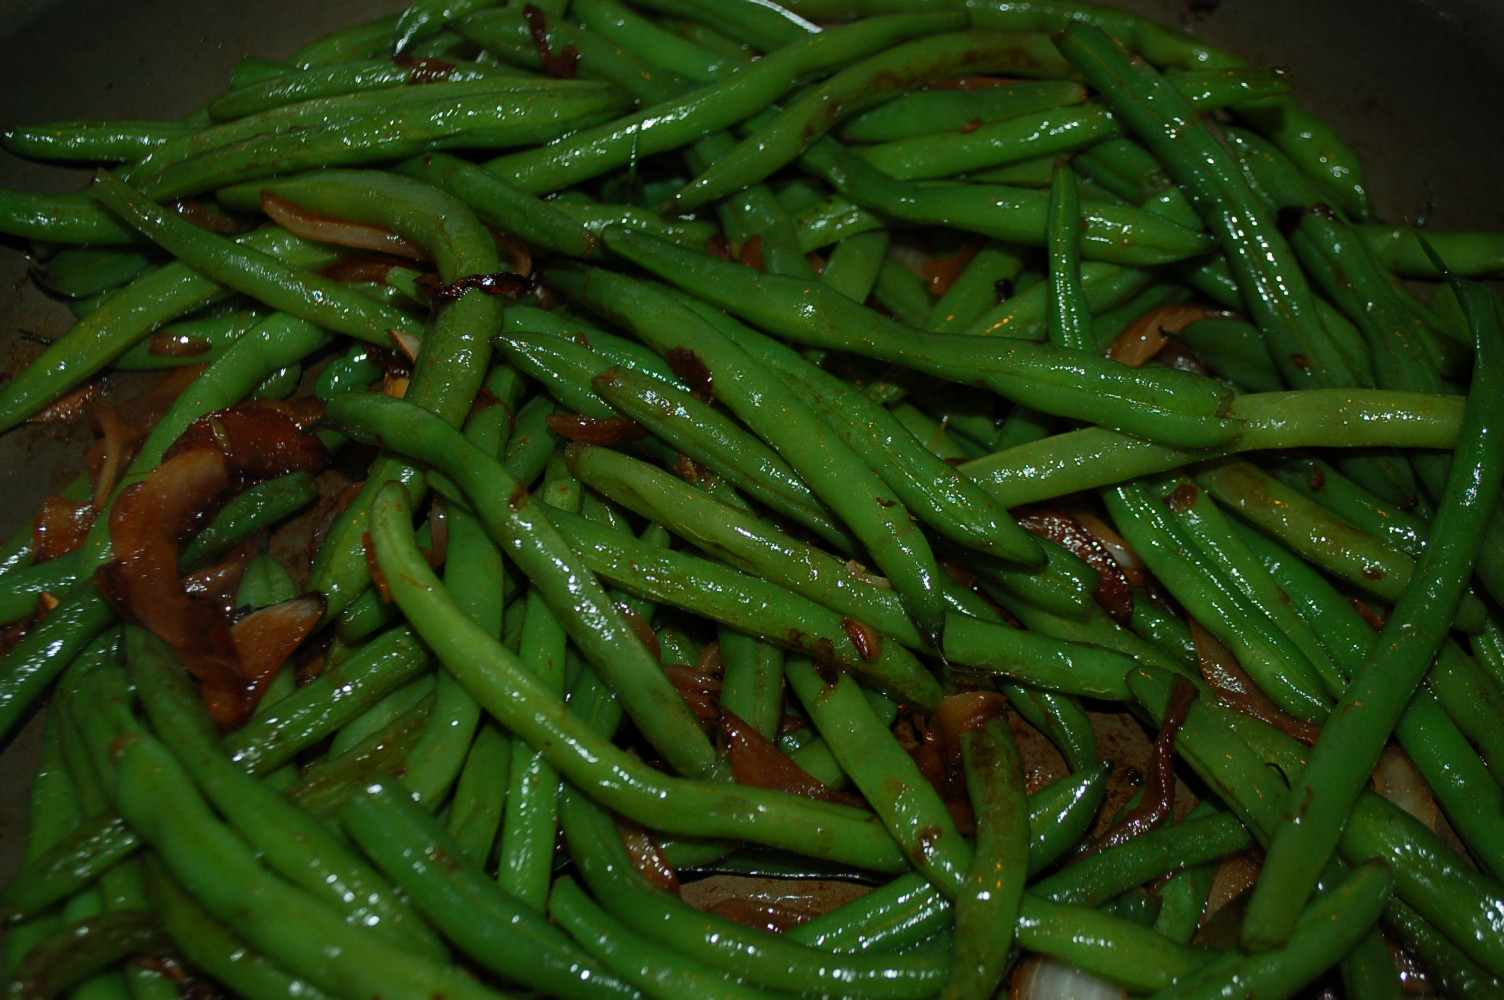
[672, 498]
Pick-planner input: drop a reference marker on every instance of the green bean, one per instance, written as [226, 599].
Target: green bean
[509, 36]
[1429, 875]
[224, 876]
[909, 908]
[79, 950]
[1280, 301]
[742, 540]
[752, 685]
[925, 112]
[345, 77]
[1079, 634]
[489, 924]
[869, 507]
[674, 53]
[1024, 316]
[476, 808]
[759, 958]
[762, 25]
[1095, 879]
[447, 376]
[661, 972]
[948, 502]
[1327, 929]
[1400, 529]
[499, 203]
[1031, 658]
[808, 117]
[152, 299]
[1096, 456]
[1338, 548]
[616, 779]
[1401, 249]
[1070, 322]
[206, 943]
[1282, 669]
[720, 444]
[977, 289]
[525, 533]
[750, 604]
[320, 300]
[889, 779]
[327, 702]
[987, 906]
[286, 839]
[592, 151]
[819, 317]
[1463, 786]
[1052, 132]
[80, 272]
[1370, 706]
[853, 265]
[1116, 234]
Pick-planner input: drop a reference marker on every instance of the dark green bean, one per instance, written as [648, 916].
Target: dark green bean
[1378, 693]
[987, 905]
[592, 151]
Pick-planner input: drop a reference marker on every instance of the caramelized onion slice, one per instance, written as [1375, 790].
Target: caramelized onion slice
[148, 521]
[757, 762]
[266, 638]
[61, 527]
[327, 229]
[259, 439]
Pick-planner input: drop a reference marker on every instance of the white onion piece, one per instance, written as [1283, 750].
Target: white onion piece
[1041, 978]
[1397, 780]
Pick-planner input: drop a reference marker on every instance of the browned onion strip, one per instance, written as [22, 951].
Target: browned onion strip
[71, 405]
[1397, 779]
[147, 522]
[1237, 691]
[1146, 335]
[757, 762]
[1114, 593]
[1158, 802]
[751, 254]
[422, 69]
[942, 272]
[327, 229]
[114, 445]
[61, 527]
[647, 856]
[518, 253]
[594, 430]
[264, 640]
[561, 64]
[259, 439]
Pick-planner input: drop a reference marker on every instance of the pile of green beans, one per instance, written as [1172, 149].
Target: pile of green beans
[739, 468]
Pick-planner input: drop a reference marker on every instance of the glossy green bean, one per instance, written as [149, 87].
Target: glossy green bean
[871, 510]
[593, 151]
[723, 446]
[1114, 233]
[1096, 456]
[1378, 693]
[616, 778]
[808, 117]
[817, 316]
[762, 959]
[987, 905]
